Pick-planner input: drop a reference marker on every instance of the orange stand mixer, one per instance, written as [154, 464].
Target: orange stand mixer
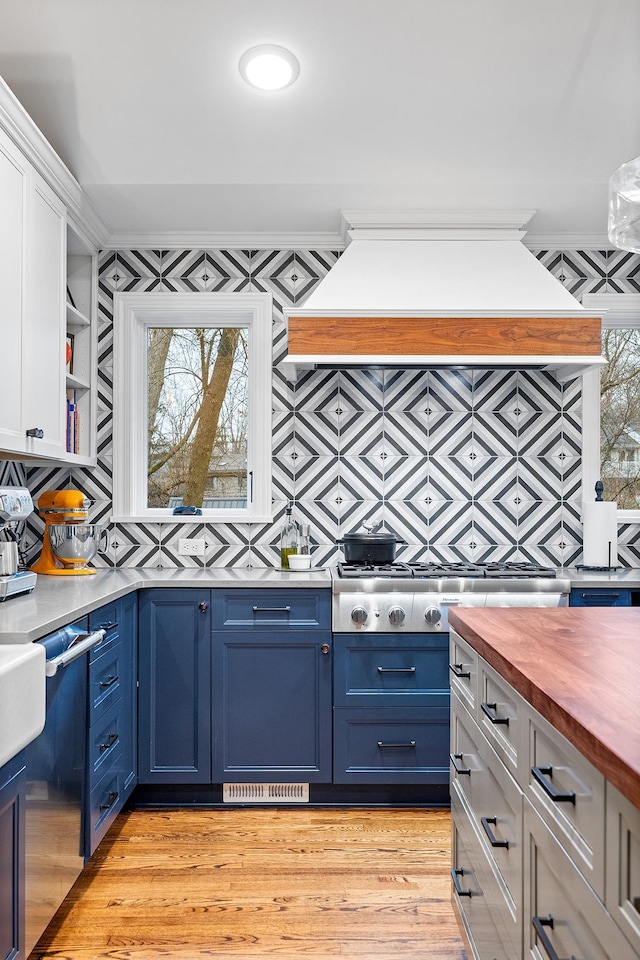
[69, 542]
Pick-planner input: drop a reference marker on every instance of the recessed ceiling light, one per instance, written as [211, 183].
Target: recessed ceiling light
[269, 67]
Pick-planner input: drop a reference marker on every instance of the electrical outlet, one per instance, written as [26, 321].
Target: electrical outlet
[191, 548]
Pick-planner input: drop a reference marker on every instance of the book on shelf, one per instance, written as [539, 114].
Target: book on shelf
[73, 423]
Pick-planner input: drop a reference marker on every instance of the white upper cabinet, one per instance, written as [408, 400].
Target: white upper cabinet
[44, 324]
[32, 247]
[48, 300]
[14, 175]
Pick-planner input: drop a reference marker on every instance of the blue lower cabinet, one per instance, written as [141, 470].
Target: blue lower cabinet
[12, 853]
[111, 756]
[600, 597]
[174, 695]
[391, 713]
[395, 745]
[272, 706]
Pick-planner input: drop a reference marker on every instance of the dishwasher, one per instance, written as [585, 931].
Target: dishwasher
[56, 776]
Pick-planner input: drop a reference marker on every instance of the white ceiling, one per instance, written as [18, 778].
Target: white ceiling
[400, 104]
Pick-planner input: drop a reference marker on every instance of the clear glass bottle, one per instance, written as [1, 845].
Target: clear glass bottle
[304, 541]
[288, 537]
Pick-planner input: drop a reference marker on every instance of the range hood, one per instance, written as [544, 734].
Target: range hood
[426, 291]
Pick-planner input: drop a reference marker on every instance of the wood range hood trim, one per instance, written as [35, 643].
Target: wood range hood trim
[433, 289]
[564, 345]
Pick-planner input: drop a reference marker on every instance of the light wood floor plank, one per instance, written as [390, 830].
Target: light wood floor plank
[252, 883]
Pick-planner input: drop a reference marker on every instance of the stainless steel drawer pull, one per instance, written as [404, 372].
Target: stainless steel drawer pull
[539, 923]
[111, 625]
[393, 746]
[485, 821]
[541, 774]
[396, 669]
[112, 797]
[457, 669]
[454, 876]
[111, 739]
[459, 770]
[271, 609]
[109, 681]
[490, 710]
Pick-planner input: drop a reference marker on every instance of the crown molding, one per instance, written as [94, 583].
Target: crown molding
[412, 221]
[225, 241]
[19, 126]
[568, 241]
[616, 309]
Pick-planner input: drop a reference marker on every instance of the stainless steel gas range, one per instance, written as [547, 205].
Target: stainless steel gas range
[416, 597]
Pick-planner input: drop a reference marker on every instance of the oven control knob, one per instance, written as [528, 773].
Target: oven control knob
[396, 616]
[433, 616]
[359, 616]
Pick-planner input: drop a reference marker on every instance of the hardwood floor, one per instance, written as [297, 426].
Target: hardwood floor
[263, 882]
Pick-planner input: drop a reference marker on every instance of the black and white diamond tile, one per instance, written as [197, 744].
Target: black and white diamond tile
[409, 521]
[451, 390]
[450, 478]
[406, 480]
[406, 392]
[505, 466]
[316, 434]
[361, 390]
[136, 544]
[12, 474]
[361, 434]
[406, 434]
[318, 390]
[496, 434]
[538, 390]
[360, 478]
[450, 434]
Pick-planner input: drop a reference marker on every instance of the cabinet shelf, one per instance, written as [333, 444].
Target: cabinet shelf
[80, 380]
[75, 318]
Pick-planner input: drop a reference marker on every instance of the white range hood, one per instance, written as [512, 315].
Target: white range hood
[436, 293]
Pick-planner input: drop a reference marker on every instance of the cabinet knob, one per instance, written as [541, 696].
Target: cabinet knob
[203, 607]
[325, 648]
[36, 432]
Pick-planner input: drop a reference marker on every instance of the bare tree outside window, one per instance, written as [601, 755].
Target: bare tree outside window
[620, 417]
[197, 416]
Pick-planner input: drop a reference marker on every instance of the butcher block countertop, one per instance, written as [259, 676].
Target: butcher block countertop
[579, 668]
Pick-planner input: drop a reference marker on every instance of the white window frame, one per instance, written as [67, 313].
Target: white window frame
[134, 314]
[618, 310]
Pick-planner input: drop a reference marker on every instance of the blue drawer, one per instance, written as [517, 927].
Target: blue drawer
[105, 681]
[271, 609]
[392, 746]
[391, 671]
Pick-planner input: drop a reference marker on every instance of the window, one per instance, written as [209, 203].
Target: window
[611, 398]
[192, 406]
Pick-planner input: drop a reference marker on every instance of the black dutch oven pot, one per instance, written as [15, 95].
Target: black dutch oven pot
[375, 547]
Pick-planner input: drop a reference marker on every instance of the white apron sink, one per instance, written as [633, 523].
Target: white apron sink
[22, 696]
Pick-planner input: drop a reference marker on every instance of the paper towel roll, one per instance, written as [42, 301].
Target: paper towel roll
[600, 533]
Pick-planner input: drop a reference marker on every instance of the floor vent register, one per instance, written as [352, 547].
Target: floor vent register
[265, 792]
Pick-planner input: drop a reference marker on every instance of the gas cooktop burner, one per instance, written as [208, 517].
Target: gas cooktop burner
[423, 570]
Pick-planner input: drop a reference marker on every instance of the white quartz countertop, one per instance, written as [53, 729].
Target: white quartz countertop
[57, 601]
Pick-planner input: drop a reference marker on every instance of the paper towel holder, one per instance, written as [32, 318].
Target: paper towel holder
[609, 568]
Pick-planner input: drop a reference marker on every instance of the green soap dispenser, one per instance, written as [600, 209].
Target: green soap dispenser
[288, 537]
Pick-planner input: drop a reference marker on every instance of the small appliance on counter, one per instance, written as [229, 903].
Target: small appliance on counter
[15, 506]
[69, 542]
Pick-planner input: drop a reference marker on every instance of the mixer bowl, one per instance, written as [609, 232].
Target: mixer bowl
[75, 544]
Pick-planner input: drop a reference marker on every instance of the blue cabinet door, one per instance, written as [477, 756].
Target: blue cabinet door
[128, 620]
[174, 695]
[12, 837]
[600, 597]
[272, 706]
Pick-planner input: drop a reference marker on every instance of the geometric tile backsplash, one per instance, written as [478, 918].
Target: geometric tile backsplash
[480, 465]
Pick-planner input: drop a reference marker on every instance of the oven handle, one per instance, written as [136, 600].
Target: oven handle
[79, 648]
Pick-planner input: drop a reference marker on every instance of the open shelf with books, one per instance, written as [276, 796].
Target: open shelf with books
[81, 348]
